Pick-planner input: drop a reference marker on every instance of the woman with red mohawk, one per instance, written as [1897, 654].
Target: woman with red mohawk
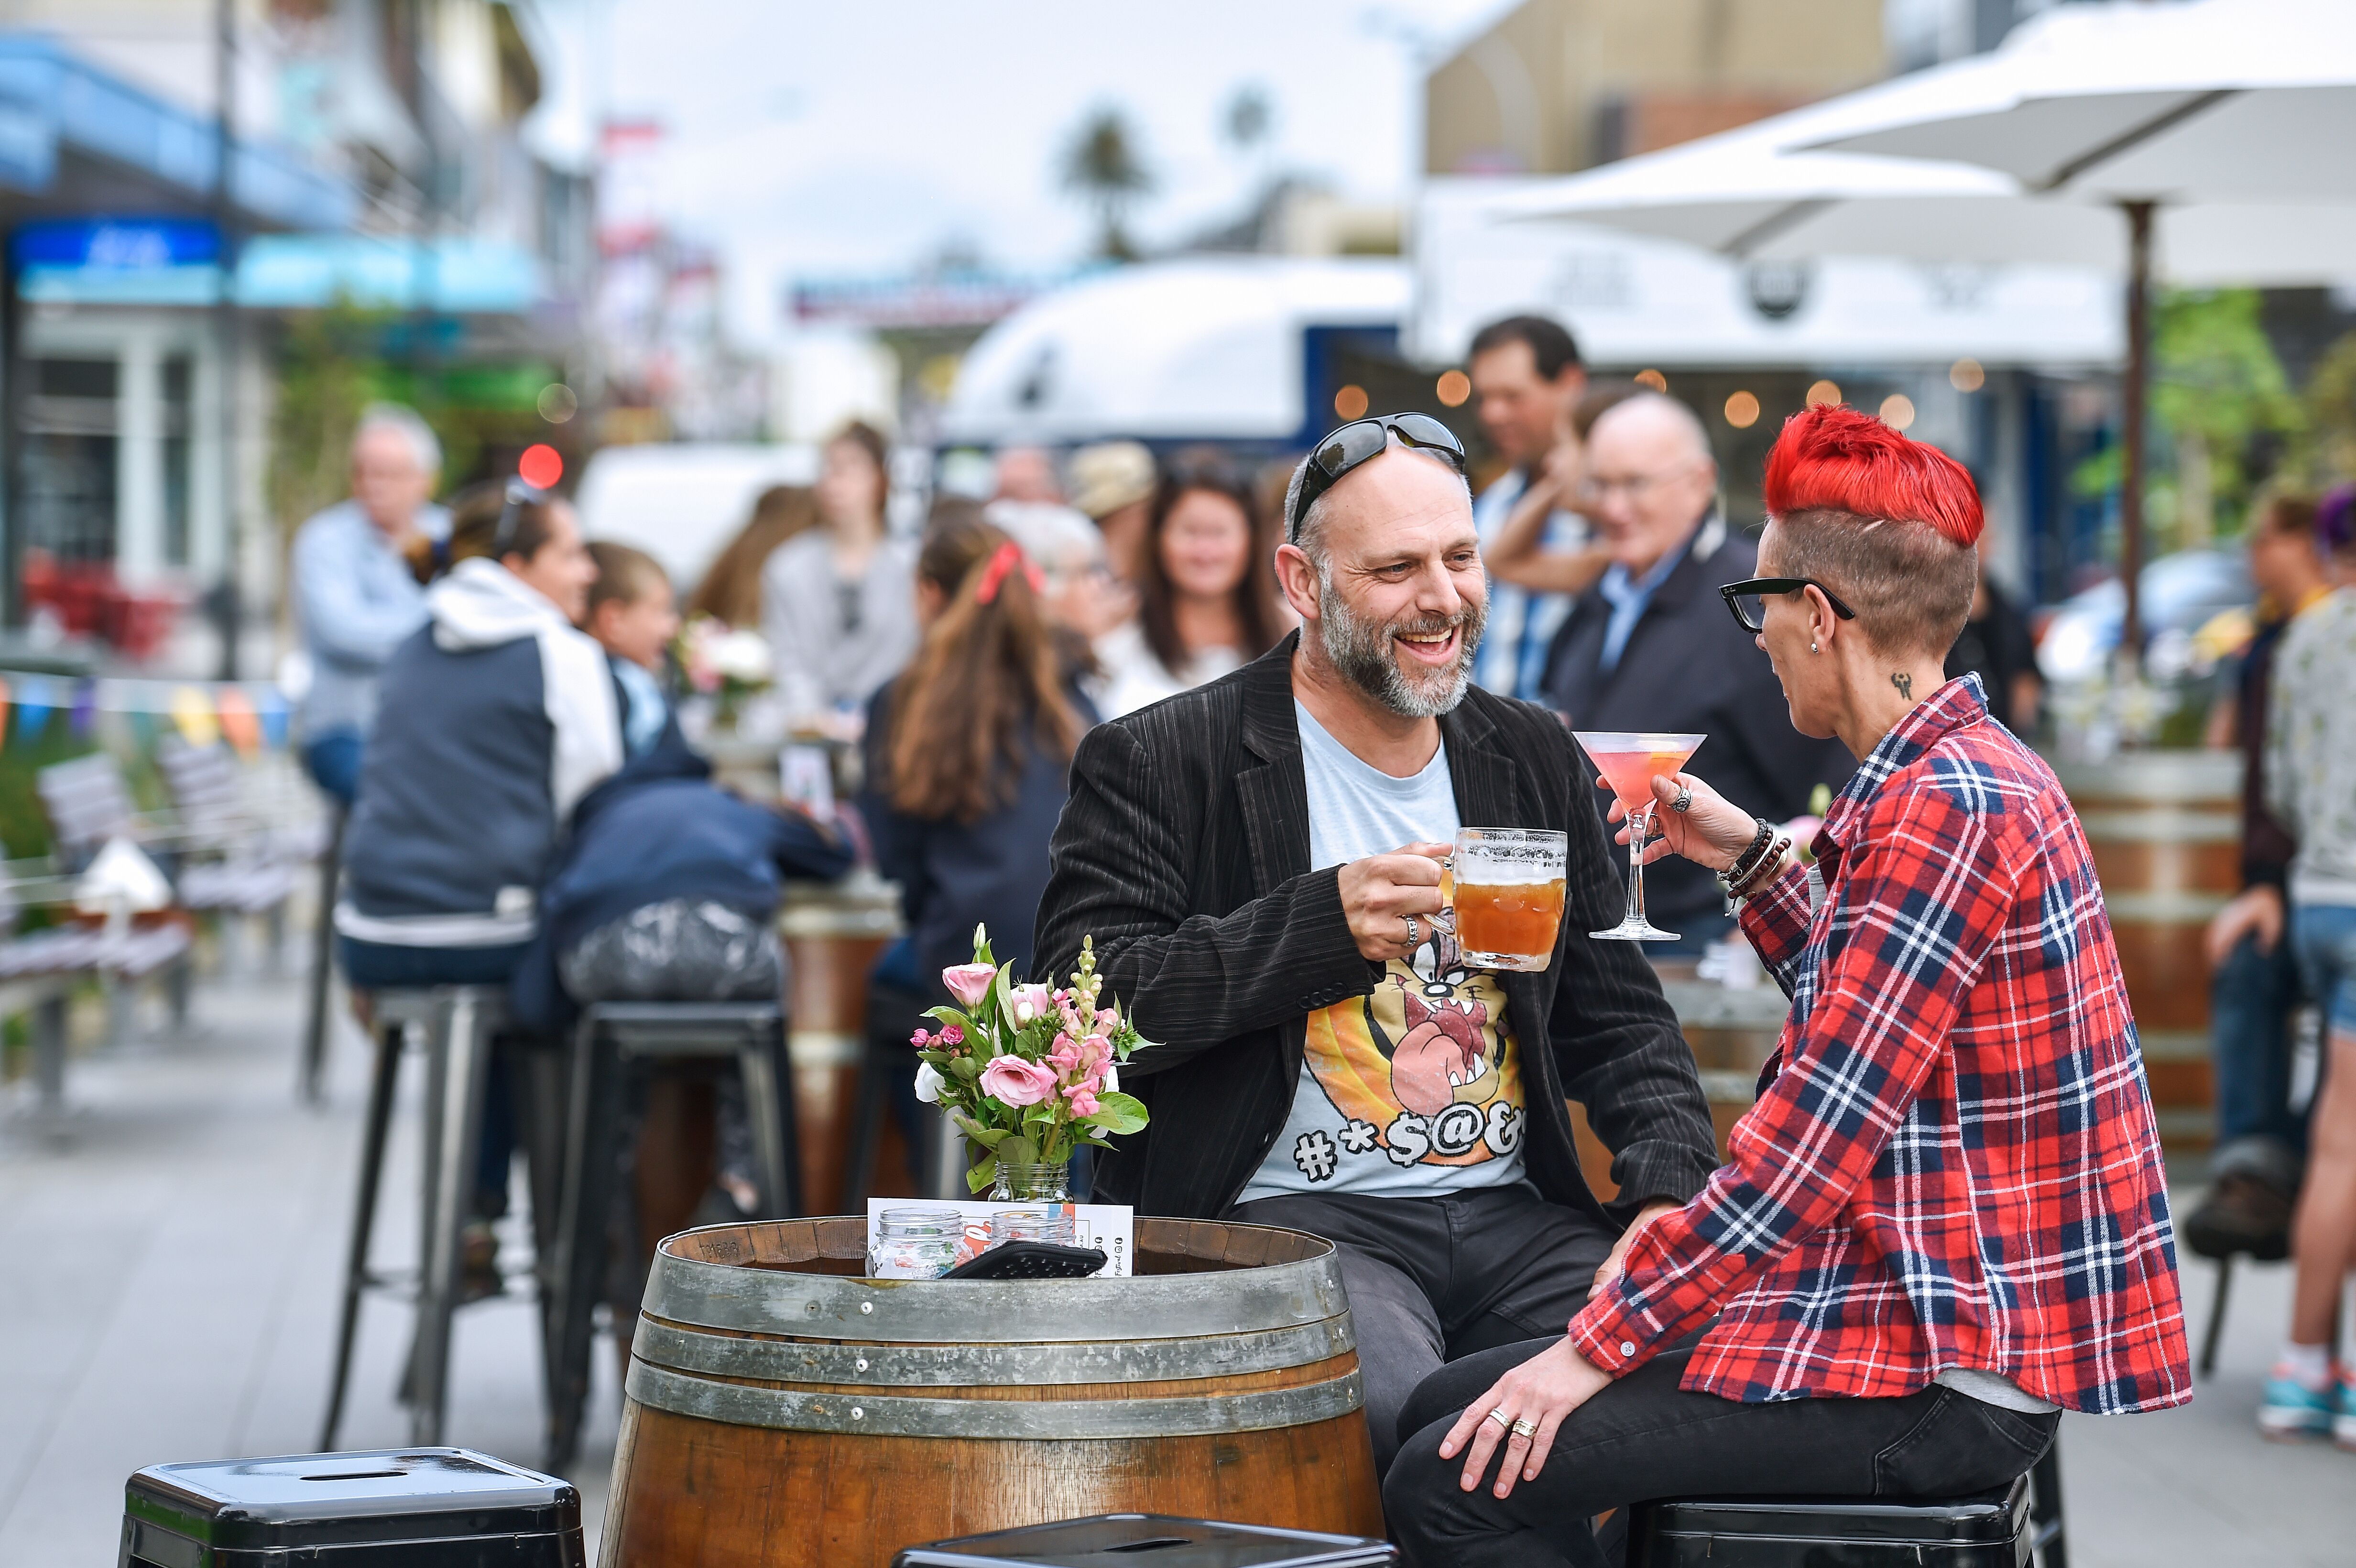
[1945, 1221]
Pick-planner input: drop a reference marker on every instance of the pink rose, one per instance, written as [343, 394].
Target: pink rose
[1014, 1082]
[969, 983]
[1031, 1003]
[952, 1036]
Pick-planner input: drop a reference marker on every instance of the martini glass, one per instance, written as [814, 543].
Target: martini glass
[1629, 759]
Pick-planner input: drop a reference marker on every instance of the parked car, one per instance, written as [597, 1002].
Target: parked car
[2181, 592]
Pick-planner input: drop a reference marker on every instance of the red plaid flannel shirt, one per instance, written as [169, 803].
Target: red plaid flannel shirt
[1953, 1161]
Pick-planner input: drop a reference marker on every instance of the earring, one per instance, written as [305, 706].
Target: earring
[1813, 649]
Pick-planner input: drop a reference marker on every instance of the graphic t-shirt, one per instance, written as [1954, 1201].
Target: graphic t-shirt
[1416, 1090]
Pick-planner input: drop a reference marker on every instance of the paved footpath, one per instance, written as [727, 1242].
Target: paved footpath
[168, 1285]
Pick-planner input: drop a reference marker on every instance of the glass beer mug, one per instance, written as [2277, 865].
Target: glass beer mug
[1505, 891]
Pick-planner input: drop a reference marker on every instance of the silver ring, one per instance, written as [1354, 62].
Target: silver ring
[1500, 1417]
[1414, 934]
[1684, 800]
[1525, 1428]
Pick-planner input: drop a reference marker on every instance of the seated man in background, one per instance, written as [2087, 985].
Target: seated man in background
[496, 718]
[1651, 648]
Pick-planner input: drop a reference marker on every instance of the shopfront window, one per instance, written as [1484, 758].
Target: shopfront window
[70, 448]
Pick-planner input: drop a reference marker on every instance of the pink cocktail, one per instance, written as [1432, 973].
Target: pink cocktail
[1629, 761]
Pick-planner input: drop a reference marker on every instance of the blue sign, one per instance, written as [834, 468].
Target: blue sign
[117, 244]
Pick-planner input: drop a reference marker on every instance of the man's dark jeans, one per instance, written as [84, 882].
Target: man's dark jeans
[1431, 1279]
[1644, 1437]
[2251, 1001]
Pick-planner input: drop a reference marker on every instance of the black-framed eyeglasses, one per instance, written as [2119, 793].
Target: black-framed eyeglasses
[520, 496]
[1361, 441]
[1747, 600]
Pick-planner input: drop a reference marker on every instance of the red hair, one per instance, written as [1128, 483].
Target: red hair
[1835, 459]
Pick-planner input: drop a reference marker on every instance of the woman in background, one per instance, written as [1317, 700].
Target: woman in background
[731, 589]
[1206, 591]
[969, 759]
[837, 601]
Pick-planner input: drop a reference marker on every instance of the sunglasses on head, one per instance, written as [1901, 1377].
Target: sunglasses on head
[1747, 600]
[1361, 441]
[520, 496]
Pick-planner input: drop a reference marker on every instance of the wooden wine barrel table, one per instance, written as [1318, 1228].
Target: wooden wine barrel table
[833, 931]
[2165, 830]
[785, 1411]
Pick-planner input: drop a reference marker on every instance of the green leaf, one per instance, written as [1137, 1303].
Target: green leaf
[982, 1176]
[991, 1137]
[950, 1016]
[965, 1067]
[1015, 1150]
[1117, 1113]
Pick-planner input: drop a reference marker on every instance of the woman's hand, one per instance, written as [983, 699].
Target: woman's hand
[1542, 1390]
[1711, 832]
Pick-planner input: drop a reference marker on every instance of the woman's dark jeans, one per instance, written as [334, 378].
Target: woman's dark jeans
[1644, 1437]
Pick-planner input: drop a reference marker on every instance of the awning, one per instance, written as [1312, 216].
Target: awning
[57, 110]
[127, 262]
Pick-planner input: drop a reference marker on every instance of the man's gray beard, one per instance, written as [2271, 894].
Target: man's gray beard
[1362, 652]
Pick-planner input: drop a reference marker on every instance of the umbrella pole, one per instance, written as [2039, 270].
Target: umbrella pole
[2133, 418]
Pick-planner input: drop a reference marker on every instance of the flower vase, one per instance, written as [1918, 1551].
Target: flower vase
[1033, 1183]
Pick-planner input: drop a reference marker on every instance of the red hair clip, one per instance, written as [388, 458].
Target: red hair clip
[1002, 561]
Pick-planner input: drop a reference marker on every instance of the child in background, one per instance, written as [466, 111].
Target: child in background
[634, 615]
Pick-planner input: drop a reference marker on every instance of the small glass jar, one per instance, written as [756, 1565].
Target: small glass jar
[915, 1243]
[1033, 1183]
[1049, 1222]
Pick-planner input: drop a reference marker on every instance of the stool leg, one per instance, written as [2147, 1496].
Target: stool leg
[49, 1055]
[866, 1127]
[2045, 1507]
[2210, 1336]
[379, 1119]
[791, 1201]
[581, 1252]
[461, 1069]
[768, 1087]
[323, 939]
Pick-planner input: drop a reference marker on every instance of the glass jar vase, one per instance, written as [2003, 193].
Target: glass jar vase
[1033, 1183]
[915, 1243]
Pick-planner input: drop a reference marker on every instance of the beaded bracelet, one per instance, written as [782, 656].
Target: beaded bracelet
[1744, 885]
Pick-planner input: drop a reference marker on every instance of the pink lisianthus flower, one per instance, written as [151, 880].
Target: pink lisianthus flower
[969, 983]
[1015, 1082]
[1031, 1003]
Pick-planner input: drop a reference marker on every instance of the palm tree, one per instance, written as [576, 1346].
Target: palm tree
[1104, 166]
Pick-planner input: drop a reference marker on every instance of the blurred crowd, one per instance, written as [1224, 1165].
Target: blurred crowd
[496, 700]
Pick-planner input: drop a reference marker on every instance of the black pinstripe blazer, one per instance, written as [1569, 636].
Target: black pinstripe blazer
[1185, 851]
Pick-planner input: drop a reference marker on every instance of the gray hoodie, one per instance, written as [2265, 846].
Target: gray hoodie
[494, 719]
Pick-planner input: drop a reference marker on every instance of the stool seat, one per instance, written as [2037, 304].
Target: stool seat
[398, 1508]
[1989, 1529]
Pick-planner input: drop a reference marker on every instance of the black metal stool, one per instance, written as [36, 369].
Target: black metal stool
[419, 1507]
[2007, 1528]
[318, 985]
[1113, 1539]
[457, 1023]
[610, 1035]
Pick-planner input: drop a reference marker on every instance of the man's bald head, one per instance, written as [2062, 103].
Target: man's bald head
[1650, 479]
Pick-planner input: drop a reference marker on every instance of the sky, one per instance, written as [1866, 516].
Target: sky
[807, 140]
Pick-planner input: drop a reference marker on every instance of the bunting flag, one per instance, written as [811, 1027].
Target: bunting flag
[192, 712]
[33, 707]
[4, 713]
[85, 706]
[238, 721]
[277, 717]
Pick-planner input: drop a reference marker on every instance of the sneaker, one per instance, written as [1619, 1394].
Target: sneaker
[2343, 1425]
[479, 1267]
[2241, 1213]
[2291, 1410]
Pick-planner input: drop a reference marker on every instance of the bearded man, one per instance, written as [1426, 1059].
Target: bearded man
[1259, 860]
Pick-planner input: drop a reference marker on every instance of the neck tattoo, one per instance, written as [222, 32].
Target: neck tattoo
[1905, 685]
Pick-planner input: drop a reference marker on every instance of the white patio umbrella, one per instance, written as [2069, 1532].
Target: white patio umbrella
[1828, 179]
[2165, 111]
